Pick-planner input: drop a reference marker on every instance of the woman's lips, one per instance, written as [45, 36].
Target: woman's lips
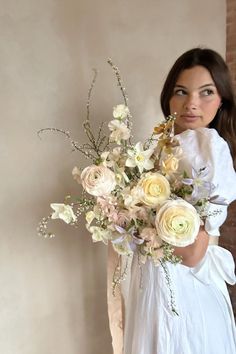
[189, 117]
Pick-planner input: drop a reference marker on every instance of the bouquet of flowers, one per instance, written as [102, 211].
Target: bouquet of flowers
[134, 194]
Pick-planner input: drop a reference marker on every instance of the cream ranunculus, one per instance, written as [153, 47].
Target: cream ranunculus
[98, 180]
[63, 212]
[155, 189]
[177, 222]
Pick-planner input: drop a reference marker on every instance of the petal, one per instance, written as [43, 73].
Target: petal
[130, 163]
[139, 147]
[148, 164]
[187, 181]
[119, 239]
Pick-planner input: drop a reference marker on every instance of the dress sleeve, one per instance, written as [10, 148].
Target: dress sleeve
[204, 147]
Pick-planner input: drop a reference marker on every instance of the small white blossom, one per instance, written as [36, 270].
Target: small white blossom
[140, 158]
[132, 196]
[76, 174]
[119, 131]
[120, 111]
[63, 212]
[99, 234]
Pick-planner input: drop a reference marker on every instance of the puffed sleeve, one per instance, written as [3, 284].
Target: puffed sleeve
[204, 147]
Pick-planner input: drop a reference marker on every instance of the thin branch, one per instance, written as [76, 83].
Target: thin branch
[73, 143]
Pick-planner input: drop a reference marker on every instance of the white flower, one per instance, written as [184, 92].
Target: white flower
[120, 111]
[177, 222]
[121, 242]
[105, 159]
[119, 130]
[76, 173]
[63, 212]
[123, 248]
[99, 234]
[111, 158]
[140, 158]
[98, 180]
[132, 196]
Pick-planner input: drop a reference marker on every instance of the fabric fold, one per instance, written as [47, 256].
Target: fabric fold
[115, 304]
[217, 267]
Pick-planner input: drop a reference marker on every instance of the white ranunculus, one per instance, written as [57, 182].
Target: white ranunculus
[119, 131]
[63, 212]
[120, 111]
[98, 180]
[177, 222]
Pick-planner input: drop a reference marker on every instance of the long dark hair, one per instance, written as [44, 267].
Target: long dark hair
[225, 119]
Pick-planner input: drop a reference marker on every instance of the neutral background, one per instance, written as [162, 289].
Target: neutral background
[53, 292]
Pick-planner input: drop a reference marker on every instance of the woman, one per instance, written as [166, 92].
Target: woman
[199, 90]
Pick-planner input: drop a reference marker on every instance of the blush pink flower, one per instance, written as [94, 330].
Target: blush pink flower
[149, 235]
[98, 180]
[120, 218]
[107, 205]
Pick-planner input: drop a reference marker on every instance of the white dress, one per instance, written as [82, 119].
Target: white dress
[205, 324]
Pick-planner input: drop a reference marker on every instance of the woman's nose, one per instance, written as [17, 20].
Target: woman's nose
[191, 102]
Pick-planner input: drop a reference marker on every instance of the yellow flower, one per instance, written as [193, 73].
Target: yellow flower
[89, 216]
[177, 222]
[170, 165]
[155, 189]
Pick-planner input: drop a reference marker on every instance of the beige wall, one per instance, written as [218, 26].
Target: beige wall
[53, 292]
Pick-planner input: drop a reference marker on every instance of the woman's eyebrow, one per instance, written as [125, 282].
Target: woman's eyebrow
[206, 85]
[211, 84]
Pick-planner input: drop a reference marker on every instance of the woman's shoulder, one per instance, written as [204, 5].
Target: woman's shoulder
[201, 133]
[205, 147]
[203, 138]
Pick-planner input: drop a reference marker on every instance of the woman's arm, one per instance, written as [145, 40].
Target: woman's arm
[193, 253]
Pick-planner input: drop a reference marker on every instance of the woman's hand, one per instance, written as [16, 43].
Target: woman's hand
[193, 253]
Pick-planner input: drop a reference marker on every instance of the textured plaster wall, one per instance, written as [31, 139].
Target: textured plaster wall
[53, 292]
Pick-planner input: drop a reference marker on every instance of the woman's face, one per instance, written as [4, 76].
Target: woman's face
[195, 99]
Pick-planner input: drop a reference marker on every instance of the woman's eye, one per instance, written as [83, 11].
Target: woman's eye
[207, 92]
[180, 92]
